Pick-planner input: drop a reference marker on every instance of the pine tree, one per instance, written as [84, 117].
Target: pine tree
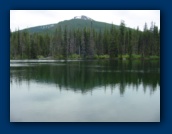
[91, 44]
[33, 54]
[99, 43]
[82, 49]
[112, 42]
[130, 43]
[156, 39]
[106, 41]
[65, 44]
[122, 38]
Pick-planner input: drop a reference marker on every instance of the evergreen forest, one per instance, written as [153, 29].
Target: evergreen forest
[87, 43]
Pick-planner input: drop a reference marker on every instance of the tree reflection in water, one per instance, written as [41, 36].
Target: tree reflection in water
[84, 76]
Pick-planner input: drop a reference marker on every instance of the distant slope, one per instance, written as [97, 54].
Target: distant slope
[75, 23]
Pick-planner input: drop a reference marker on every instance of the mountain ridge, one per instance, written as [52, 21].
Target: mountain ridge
[77, 22]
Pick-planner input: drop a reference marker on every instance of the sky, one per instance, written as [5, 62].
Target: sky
[20, 19]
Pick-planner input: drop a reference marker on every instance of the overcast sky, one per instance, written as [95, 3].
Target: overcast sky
[28, 18]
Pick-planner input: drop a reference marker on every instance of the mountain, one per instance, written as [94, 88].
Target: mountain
[78, 22]
[83, 43]
[83, 17]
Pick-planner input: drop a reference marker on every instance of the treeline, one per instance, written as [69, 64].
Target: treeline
[86, 43]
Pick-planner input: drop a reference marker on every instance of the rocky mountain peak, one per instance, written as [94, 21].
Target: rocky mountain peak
[83, 17]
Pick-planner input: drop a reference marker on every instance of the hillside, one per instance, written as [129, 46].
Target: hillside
[78, 22]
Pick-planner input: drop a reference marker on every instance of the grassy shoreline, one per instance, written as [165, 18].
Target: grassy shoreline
[95, 57]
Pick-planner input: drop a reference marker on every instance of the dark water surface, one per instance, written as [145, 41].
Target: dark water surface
[85, 91]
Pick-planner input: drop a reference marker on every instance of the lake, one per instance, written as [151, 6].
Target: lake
[85, 91]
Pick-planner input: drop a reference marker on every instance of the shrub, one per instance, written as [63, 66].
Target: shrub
[154, 57]
[125, 56]
[58, 57]
[74, 56]
[40, 57]
[103, 56]
[135, 56]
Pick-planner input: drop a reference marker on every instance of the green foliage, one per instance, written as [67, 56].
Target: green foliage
[126, 56]
[154, 57]
[135, 56]
[58, 57]
[122, 38]
[101, 56]
[96, 56]
[40, 57]
[74, 56]
[104, 56]
[24, 56]
[18, 57]
[87, 42]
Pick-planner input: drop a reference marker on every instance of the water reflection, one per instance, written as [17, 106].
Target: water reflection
[85, 76]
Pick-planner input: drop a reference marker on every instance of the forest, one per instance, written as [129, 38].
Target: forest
[87, 43]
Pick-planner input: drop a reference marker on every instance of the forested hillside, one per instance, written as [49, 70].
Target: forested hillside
[75, 23]
[85, 40]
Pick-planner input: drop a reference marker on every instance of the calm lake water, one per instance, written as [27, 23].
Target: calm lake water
[85, 91]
